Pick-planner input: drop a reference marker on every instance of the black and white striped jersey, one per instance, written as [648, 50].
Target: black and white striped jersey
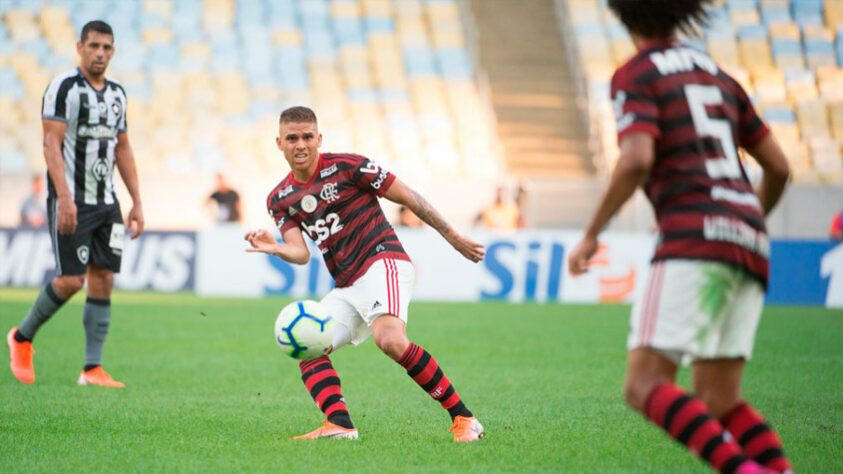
[94, 119]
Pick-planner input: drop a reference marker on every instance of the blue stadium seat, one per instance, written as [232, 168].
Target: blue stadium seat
[379, 24]
[752, 32]
[775, 15]
[785, 46]
[779, 114]
[454, 63]
[419, 62]
[349, 31]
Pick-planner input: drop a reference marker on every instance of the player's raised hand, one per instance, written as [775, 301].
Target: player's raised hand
[582, 253]
[261, 241]
[469, 248]
[135, 221]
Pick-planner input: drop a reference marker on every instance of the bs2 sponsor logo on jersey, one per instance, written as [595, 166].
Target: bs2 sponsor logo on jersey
[323, 228]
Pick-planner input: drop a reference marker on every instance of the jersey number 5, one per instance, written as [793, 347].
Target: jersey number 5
[698, 97]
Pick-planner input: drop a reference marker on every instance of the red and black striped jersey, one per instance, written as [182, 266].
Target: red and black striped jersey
[339, 210]
[699, 116]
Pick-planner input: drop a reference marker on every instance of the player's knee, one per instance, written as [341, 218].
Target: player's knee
[636, 391]
[68, 285]
[718, 401]
[392, 344]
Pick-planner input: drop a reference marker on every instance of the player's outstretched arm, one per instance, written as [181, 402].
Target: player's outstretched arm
[129, 172]
[400, 193]
[293, 250]
[770, 157]
[65, 207]
[637, 153]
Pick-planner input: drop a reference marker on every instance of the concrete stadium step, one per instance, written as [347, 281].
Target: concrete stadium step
[539, 122]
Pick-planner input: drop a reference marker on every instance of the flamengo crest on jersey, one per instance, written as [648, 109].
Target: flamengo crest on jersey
[94, 119]
[699, 116]
[339, 210]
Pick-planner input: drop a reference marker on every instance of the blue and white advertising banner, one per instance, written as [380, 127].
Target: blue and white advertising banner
[159, 261]
[528, 265]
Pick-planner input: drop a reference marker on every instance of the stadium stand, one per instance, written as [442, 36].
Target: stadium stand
[389, 78]
[787, 53]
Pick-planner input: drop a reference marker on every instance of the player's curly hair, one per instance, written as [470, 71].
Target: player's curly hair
[660, 18]
[297, 114]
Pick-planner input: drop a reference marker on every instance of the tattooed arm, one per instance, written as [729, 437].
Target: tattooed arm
[400, 193]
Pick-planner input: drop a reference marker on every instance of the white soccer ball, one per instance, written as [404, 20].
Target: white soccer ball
[304, 330]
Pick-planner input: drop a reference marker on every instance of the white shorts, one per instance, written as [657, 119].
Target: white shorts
[385, 288]
[696, 309]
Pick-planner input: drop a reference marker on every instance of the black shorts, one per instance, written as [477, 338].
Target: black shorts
[98, 238]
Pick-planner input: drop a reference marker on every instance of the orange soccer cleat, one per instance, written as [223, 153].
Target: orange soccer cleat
[98, 376]
[467, 429]
[20, 356]
[329, 430]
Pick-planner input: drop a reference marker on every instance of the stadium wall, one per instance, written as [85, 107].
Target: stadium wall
[524, 266]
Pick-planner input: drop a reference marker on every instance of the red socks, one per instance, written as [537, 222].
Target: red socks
[687, 420]
[422, 367]
[323, 383]
[756, 438]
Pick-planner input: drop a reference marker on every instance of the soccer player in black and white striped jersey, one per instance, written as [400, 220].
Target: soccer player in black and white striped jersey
[84, 121]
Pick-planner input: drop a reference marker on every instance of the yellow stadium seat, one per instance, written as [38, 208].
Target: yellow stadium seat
[835, 113]
[785, 31]
[196, 50]
[162, 8]
[345, 9]
[812, 117]
[724, 51]
[378, 8]
[755, 53]
[442, 12]
[153, 36]
[218, 15]
[288, 37]
[745, 17]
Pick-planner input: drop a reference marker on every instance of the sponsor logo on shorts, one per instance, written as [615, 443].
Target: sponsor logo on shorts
[380, 248]
[83, 253]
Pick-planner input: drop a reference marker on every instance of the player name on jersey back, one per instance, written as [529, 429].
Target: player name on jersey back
[698, 116]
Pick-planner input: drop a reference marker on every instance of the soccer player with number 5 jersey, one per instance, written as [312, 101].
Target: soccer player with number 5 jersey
[333, 198]
[680, 122]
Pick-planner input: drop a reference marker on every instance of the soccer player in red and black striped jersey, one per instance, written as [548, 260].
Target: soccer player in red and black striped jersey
[680, 122]
[333, 198]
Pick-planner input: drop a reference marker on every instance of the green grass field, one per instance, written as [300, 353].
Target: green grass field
[212, 392]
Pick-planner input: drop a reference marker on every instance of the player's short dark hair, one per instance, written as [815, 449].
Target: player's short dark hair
[97, 25]
[298, 114]
[660, 18]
